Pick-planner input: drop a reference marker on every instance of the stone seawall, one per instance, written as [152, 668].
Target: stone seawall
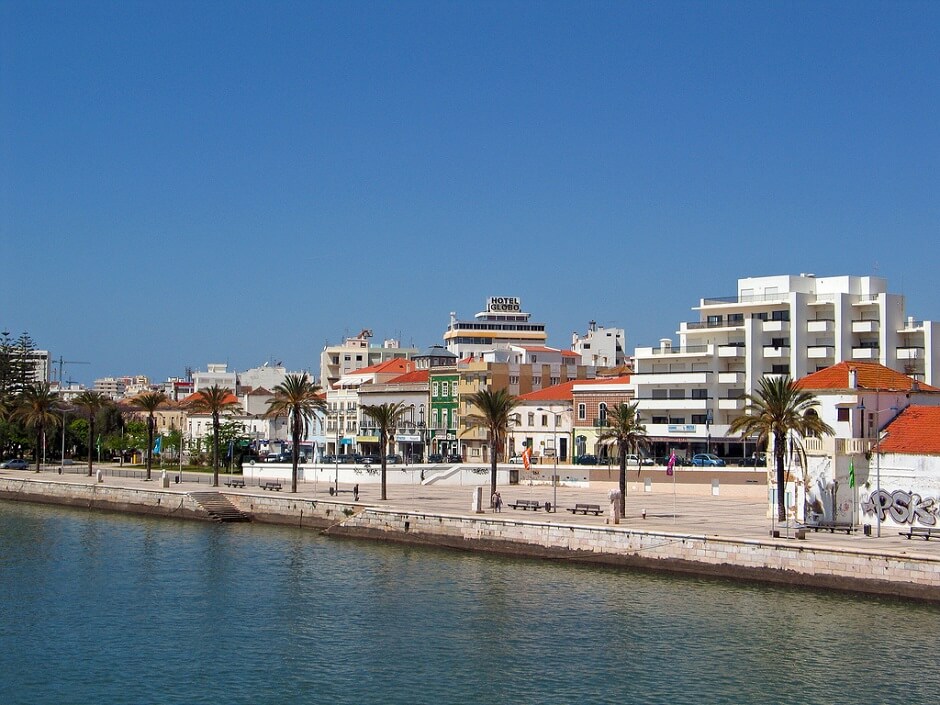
[779, 561]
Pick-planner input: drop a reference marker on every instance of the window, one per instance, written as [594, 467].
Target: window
[537, 381]
[842, 414]
[779, 343]
[762, 316]
[514, 379]
[713, 321]
[780, 369]
[661, 419]
[700, 419]
[445, 389]
[544, 420]
[582, 412]
[659, 393]
[783, 315]
[530, 419]
[602, 411]
[434, 390]
[700, 394]
[434, 419]
[677, 419]
[677, 394]
[735, 319]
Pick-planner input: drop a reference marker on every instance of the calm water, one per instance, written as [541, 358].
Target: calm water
[102, 608]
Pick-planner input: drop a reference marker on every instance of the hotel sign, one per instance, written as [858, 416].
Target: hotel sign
[503, 303]
[681, 428]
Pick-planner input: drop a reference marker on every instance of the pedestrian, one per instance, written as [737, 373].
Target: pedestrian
[498, 501]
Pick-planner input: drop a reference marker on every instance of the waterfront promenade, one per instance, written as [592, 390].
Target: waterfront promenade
[686, 513]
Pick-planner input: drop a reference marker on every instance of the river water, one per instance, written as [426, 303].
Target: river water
[109, 608]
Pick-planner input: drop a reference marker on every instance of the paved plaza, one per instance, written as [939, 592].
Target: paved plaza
[686, 512]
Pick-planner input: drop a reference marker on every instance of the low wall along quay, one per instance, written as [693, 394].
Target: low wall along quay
[906, 574]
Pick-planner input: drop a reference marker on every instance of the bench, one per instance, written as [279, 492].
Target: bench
[235, 482]
[585, 508]
[925, 531]
[526, 504]
[271, 485]
[831, 526]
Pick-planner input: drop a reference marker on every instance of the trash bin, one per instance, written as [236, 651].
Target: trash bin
[866, 529]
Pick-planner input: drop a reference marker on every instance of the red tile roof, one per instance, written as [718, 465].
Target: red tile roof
[538, 348]
[870, 376]
[622, 379]
[554, 393]
[229, 398]
[915, 431]
[397, 364]
[413, 377]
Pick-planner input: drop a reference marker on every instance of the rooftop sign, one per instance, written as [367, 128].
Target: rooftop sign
[503, 303]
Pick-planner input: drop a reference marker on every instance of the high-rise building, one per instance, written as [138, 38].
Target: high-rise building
[501, 324]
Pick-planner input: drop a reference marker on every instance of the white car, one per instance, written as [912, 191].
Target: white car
[634, 459]
[517, 460]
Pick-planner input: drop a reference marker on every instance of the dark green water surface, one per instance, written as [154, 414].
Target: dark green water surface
[106, 608]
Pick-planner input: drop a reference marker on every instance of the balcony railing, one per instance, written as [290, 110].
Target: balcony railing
[687, 350]
[745, 299]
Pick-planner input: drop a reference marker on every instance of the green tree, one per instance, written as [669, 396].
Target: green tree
[215, 401]
[90, 404]
[38, 409]
[149, 402]
[624, 429]
[299, 399]
[780, 409]
[495, 414]
[386, 417]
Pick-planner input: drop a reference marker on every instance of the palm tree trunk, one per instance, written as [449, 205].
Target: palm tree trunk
[38, 447]
[150, 425]
[623, 482]
[493, 459]
[295, 452]
[91, 439]
[215, 450]
[383, 444]
[779, 453]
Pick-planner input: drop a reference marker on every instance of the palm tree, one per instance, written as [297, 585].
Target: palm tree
[624, 428]
[780, 409]
[38, 408]
[386, 417]
[216, 401]
[150, 402]
[298, 399]
[496, 416]
[91, 403]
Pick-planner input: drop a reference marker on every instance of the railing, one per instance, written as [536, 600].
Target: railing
[700, 325]
[687, 350]
[746, 299]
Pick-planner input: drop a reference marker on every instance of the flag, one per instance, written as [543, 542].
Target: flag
[851, 472]
[671, 464]
[158, 446]
[526, 454]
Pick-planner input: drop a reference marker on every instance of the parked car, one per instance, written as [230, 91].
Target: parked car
[634, 459]
[370, 460]
[15, 464]
[754, 460]
[586, 460]
[517, 460]
[435, 458]
[707, 460]
[454, 458]
[392, 459]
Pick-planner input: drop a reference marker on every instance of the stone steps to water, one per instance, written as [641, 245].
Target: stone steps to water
[218, 507]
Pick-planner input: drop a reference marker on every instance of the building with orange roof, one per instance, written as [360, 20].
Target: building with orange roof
[849, 473]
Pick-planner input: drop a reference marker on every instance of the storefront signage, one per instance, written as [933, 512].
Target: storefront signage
[681, 428]
[407, 437]
[503, 303]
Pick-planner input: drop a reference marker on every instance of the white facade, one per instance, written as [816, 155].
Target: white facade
[600, 346]
[786, 325]
[501, 324]
[337, 361]
[215, 374]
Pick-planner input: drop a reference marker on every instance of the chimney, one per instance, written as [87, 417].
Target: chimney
[665, 345]
[853, 378]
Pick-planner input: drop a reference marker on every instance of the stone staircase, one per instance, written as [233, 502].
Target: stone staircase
[218, 507]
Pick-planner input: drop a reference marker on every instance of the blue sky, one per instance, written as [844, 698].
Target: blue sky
[184, 183]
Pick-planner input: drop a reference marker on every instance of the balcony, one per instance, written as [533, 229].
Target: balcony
[732, 350]
[698, 326]
[686, 404]
[736, 404]
[775, 326]
[866, 326]
[821, 352]
[820, 326]
[910, 353]
[777, 351]
[731, 378]
[669, 378]
[690, 350]
[866, 353]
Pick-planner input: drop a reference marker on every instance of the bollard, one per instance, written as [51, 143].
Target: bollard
[100, 477]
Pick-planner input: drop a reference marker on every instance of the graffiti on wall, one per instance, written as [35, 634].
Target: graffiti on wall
[903, 507]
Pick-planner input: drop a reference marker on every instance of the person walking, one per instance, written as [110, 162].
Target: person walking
[497, 502]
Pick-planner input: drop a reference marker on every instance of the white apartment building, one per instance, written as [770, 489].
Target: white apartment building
[787, 325]
[337, 361]
[600, 346]
[216, 374]
[501, 324]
